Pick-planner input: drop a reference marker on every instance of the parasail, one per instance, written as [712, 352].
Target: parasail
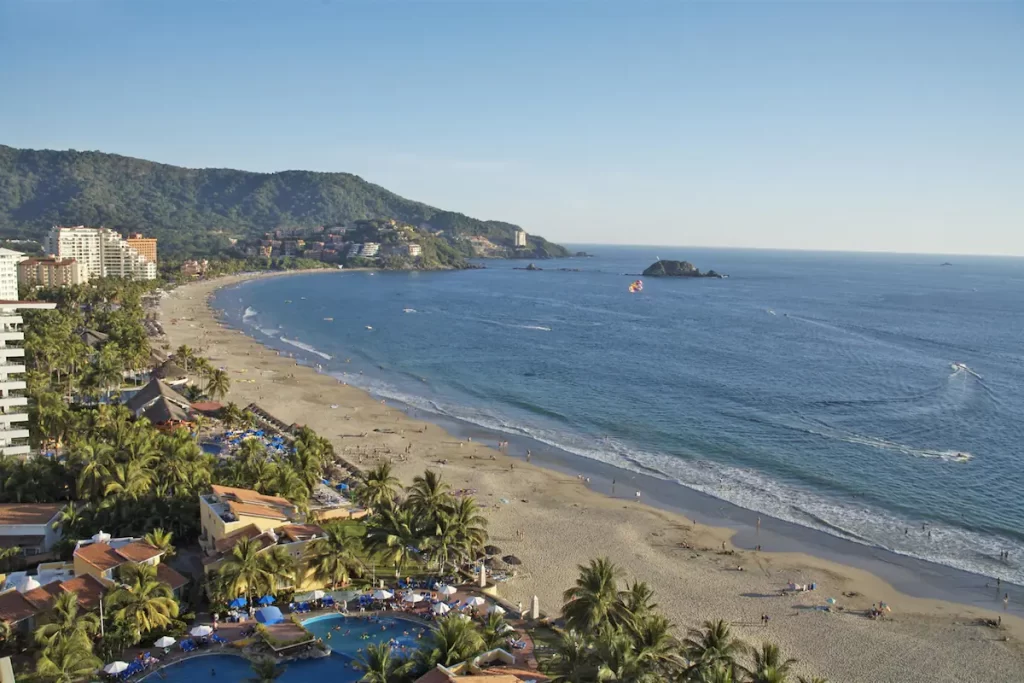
[636, 286]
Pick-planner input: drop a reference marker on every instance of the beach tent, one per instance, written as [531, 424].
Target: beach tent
[269, 615]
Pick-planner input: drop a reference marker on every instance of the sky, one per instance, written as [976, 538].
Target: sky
[869, 126]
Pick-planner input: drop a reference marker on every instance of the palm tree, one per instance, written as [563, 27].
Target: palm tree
[231, 416]
[769, 667]
[332, 558]
[710, 646]
[158, 538]
[719, 672]
[70, 521]
[142, 600]
[65, 622]
[266, 670]
[429, 495]
[67, 661]
[183, 355]
[249, 570]
[638, 600]
[594, 600]
[218, 384]
[617, 660]
[470, 526]
[453, 641]
[378, 488]
[572, 661]
[493, 631]
[654, 643]
[812, 679]
[380, 666]
[395, 535]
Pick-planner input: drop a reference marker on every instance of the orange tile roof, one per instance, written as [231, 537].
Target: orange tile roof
[170, 576]
[249, 496]
[29, 513]
[434, 676]
[100, 555]
[301, 532]
[15, 607]
[44, 595]
[228, 542]
[247, 510]
[138, 551]
[88, 588]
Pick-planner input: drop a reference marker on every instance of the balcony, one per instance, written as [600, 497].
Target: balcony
[11, 369]
[12, 402]
[15, 450]
[11, 384]
[12, 352]
[7, 435]
[11, 335]
[7, 418]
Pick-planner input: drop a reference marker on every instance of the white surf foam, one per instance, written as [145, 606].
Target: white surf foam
[750, 489]
[249, 312]
[306, 347]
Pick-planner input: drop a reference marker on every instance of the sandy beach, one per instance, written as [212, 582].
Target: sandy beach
[554, 522]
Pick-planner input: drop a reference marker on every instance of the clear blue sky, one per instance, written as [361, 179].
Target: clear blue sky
[860, 125]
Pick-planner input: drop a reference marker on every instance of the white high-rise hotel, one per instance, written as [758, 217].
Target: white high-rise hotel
[13, 401]
[100, 252]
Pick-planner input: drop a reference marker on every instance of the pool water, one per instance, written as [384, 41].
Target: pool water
[336, 668]
[212, 448]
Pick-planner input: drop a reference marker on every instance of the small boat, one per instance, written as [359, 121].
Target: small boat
[957, 367]
[287, 301]
[409, 310]
[368, 327]
[330, 320]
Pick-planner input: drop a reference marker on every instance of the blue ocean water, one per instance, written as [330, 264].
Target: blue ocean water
[816, 388]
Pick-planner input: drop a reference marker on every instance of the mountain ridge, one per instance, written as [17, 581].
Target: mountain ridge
[195, 211]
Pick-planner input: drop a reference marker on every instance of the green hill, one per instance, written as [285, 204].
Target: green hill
[195, 211]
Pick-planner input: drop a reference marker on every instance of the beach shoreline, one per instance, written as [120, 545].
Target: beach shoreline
[554, 521]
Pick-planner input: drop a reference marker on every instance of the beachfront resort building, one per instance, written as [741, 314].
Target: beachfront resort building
[9, 260]
[102, 557]
[520, 238]
[13, 401]
[49, 272]
[30, 527]
[102, 252]
[227, 510]
[27, 598]
[293, 538]
[146, 246]
[161, 404]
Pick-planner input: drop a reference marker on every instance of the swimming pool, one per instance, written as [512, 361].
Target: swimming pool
[347, 643]
[212, 448]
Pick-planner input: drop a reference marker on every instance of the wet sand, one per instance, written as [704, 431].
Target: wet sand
[555, 521]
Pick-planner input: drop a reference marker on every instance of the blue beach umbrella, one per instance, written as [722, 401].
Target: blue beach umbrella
[269, 615]
[267, 600]
[238, 602]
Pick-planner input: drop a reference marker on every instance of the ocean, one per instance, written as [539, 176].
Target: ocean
[816, 388]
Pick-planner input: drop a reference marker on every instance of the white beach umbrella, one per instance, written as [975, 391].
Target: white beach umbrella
[476, 601]
[311, 595]
[440, 608]
[412, 597]
[448, 590]
[381, 594]
[115, 668]
[496, 609]
[201, 631]
[165, 641]
[506, 628]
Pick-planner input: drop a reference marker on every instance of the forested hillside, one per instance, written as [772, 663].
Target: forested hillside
[195, 211]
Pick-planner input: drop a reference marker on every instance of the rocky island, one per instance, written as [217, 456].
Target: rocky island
[666, 268]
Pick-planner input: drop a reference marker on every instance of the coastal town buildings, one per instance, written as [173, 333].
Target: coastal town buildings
[520, 238]
[160, 403]
[413, 250]
[49, 272]
[293, 538]
[193, 268]
[102, 556]
[100, 252]
[13, 401]
[146, 246]
[9, 274]
[30, 526]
